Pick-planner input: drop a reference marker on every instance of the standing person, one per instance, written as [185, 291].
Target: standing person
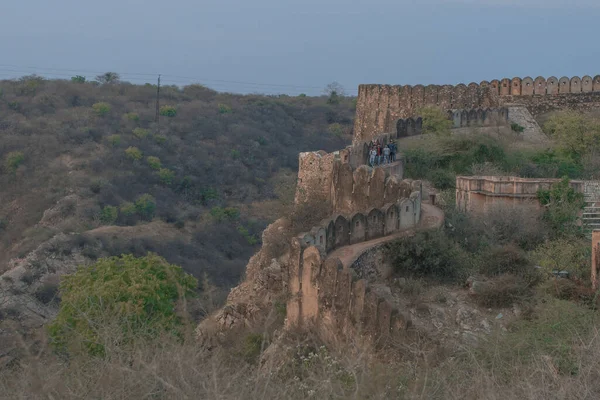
[393, 151]
[386, 154]
[379, 154]
[372, 155]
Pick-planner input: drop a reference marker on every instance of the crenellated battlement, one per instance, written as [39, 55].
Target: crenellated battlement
[379, 107]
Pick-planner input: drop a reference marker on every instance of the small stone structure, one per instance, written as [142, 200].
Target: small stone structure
[379, 107]
[479, 193]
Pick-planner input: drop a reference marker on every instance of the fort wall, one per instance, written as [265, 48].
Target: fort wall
[479, 193]
[379, 107]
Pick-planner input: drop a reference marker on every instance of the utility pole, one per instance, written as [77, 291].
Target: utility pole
[157, 118]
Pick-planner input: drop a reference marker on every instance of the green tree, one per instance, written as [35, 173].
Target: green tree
[128, 209]
[168, 111]
[139, 294]
[166, 176]
[109, 215]
[108, 78]
[224, 109]
[562, 207]
[575, 133]
[335, 92]
[153, 162]
[101, 109]
[78, 79]
[134, 153]
[13, 160]
[435, 121]
[145, 205]
[140, 133]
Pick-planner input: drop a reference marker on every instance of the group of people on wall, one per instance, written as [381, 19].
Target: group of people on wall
[380, 153]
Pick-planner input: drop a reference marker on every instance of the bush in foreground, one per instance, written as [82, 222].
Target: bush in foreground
[140, 294]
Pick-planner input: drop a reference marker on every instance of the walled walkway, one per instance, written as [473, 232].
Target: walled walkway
[431, 218]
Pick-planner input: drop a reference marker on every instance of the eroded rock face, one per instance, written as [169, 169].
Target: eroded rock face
[266, 281]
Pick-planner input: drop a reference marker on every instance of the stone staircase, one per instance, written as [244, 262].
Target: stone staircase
[591, 211]
[520, 115]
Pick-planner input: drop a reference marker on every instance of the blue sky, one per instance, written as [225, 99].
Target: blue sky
[298, 46]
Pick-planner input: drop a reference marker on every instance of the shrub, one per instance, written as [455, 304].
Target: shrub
[13, 160]
[435, 121]
[101, 109]
[140, 133]
[114, 140]
[109, 215]
[502, 291]
[224, 109]
[509, 259]
[166, 176]
[427, 254]
[168, 111]
[442, 179]
[14, 105]
[47, 292]
[570, 254]
[575, 133]
[128, 209]
[140, 293]
[131, 116]
[516, 127]
[145, 205]
[159, 139]
[562, 207]
[134, 153]
[78, 79]
[227, 213]
[253, 346]
[153, 162]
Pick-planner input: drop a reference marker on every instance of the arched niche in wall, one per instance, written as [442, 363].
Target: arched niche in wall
[418, 126]
[575, 84]
[456, 118]
[358, 228]
[539, 85]
[401, 128]
[472, 117]
[564, 85]
[410, 127]
[527, 86]
[342, 231]
[496, 85]
[407, 214]
[597, 83]
[330, 236]
[587, 84]
[505, 87]
[515, 86]
[464, 118]
[321, 239]
[392, 219]
[375, 223]
[552, 85]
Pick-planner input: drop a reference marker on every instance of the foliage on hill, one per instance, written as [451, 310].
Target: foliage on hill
[98, 143]
[138, 294]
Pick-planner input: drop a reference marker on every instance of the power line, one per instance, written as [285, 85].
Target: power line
[175, 79]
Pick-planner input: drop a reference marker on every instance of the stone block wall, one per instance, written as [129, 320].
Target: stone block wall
[379, 107]
[479, 193]
[335, 303]
[344, 229]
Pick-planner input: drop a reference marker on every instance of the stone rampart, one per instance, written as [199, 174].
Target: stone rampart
[379, 107]
[479, 193]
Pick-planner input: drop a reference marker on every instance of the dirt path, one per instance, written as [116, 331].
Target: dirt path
[431, 217]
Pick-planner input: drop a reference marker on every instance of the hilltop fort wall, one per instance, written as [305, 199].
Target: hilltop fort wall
[479, 193]
[379, 107]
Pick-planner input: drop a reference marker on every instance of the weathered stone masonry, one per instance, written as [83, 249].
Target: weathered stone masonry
[379, 107]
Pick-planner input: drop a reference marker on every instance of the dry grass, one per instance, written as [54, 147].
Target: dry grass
[554, 356]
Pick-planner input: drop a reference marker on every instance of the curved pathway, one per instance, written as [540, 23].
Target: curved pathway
[431, 218]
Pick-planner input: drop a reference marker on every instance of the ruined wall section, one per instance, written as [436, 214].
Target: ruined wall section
[379, 107]
[315, 174]
[336, 304]
[478, 193]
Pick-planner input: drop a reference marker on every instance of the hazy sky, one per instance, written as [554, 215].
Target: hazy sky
[295, 46]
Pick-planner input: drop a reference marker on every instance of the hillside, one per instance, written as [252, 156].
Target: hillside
[219, 167]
